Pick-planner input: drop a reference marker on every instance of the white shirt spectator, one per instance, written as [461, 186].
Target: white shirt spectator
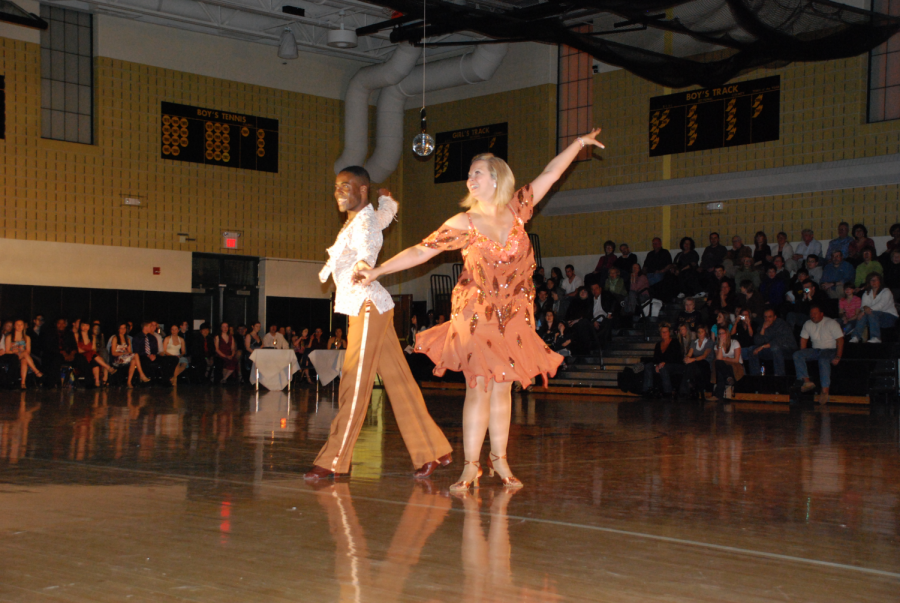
[598, 307]
[570, 287]
[787, 253]
[814, 248]
[823, 335]
[359, 240]
[733, 352]
[883, 302]
[277, 341]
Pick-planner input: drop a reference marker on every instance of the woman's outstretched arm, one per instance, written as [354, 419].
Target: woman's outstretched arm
[410, 257]
[557, 167]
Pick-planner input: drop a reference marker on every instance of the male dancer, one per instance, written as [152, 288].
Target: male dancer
[372, 346]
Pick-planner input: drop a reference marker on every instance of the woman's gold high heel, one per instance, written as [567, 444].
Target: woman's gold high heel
[462, 486]
[511, 482]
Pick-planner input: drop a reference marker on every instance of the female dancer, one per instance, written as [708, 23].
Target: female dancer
[490, 336]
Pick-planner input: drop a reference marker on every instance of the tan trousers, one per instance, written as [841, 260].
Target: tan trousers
[372, 347]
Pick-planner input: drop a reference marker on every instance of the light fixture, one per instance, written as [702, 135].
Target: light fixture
[342, 38]
[423, 144]
[287, 48]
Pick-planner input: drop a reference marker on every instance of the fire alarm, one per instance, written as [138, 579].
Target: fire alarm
[156, 271]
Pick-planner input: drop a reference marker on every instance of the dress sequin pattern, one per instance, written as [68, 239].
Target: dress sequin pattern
[490, 330]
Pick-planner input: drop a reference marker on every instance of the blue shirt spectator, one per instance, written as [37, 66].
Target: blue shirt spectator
[841, 243]
[838, 272]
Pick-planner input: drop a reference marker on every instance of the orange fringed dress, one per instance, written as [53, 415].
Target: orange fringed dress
[491, 331]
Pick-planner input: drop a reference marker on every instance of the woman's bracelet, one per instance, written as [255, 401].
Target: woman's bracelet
[581, 141]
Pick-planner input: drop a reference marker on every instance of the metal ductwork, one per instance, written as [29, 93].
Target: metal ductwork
[472, 68]
[356, 102]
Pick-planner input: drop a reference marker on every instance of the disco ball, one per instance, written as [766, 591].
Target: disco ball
[423, 145]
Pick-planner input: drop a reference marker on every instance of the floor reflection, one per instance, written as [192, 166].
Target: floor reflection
[623, 501]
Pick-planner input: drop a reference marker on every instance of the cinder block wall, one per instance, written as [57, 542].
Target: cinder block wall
[67, 192]
[823, 118]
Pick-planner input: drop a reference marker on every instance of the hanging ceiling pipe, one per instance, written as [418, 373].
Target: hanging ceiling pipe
[356, 102]
[472, 68]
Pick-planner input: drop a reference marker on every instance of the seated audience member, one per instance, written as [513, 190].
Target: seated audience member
[317, 341]
[174, 346]
[894, 243]
[100, 340]
[18, 345]
[800, 282]
[87, 347]
[301, 339]
[547, 330]
[542, 304]
[606, 261]
[784, 249]
[713, 256]
[337, 341]
[615, 286]
[773, 341]
[810, 296]
[579, 319]
[561, 342]
[807, 246]
[698, 364]
[53, 340]
[554, 292]
[556, 274]
[734, 259]
[274, 339]
[718, 277]
[762, 253]
[626, 260]
[121, 355]
[746, 272]
[729, 364]
[750, 299]
[849, 307]
[743, 331]
[724, 299]
[202, 351]
[773, 288]
[813, 268]
[835, 274]
[860, 241]
[226, 351]
[892, 273]
[867, 266]
[146, 346]
[537, 278]
[827, 340]
[253, 340]
[721, 321]
[685, 338]
[780, 271]
[10, 361]
[840, 243]
[638, 290]
[877, 311]
[599, 316]
[687, 265]
[690, 316]
[668, 360]
[569, 285]
[657, 262]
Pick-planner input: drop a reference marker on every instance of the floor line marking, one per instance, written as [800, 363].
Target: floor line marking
[556, 522]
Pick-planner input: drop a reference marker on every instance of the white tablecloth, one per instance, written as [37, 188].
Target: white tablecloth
[328, 364]
[273, 367]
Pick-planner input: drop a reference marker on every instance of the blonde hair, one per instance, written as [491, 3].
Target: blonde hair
[501, 175]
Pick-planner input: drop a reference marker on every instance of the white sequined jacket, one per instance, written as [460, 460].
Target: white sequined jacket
[359, 239]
